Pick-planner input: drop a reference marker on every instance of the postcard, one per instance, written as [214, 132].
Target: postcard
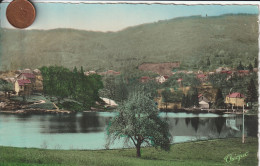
[129, 83]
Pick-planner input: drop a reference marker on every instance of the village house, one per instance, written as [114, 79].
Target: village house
[235, 99]
[23, 87]
[226, 72]
[87, 73]
[28, 76]
[243, 72]
[25, 82]
[161, 79]
[203, 102]
[202, 77]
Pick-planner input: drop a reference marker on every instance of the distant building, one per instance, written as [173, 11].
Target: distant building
[87, 73]
[25, 82]
[226, 72]
[28, 76]
[161, 79]
[23, 87]
[203, 98]
[243, 72]
[109, 72]
[235, 99]
[203, 102]
[202, 77]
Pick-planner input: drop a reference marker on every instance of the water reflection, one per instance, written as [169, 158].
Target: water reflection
[87, 130]
[219, 122]
[195, 123]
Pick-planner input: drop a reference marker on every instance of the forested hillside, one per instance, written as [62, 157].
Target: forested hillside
[224, 40]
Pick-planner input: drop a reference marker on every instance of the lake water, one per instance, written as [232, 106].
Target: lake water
[88, 130]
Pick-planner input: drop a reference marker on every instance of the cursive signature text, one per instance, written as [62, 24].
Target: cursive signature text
[233, 157]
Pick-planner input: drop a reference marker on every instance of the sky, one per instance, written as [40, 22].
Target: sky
[115, 17]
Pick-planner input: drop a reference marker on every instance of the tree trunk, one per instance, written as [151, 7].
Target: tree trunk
[138, 150]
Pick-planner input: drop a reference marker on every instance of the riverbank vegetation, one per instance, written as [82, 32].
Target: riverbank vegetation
[200, 153]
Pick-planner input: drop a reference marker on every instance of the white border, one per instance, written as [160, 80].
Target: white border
[148, 2]
[176, 3]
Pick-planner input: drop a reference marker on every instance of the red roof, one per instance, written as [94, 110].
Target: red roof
[166, 77]
[23, 82]
[236, 95]
[201, 75]
[226, 71]
[180, 79]
[110, 72]
[145, 78]
[28, 75]
[243, 71]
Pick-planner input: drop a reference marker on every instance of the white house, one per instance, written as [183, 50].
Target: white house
[204, 104]
[161, 79]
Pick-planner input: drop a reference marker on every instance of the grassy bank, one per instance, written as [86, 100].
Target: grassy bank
[198, 153]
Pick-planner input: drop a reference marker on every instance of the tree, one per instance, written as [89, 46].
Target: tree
[219, 100]
[250, 67]
[6, 87]
[121, 93]
[251, 95]
[62, 83]
[240, 66]
[167, 96]
[138, 121]
[194, 98]
[255, 63]
[183, 101]
[208, 62]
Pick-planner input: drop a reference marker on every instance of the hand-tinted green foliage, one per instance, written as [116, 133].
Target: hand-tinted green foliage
[255, 63]
[194, 97]
[187, 80]
[227, 40]
[139, 122]
[240, 66]
[115, 88]
[70, 105]
[219, 80]
[63, 83]
[200, 153]
[5, 86]
[167, 96]
[251, 95]
[250, 67]
[219, 100]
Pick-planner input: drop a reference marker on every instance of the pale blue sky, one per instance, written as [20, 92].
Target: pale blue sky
[114, 17]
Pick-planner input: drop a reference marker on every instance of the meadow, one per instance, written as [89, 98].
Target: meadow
[199, 153]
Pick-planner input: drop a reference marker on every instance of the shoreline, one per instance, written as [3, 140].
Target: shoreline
[43, 111]
[129, 148]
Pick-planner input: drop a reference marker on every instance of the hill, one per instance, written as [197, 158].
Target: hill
[225, 40]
